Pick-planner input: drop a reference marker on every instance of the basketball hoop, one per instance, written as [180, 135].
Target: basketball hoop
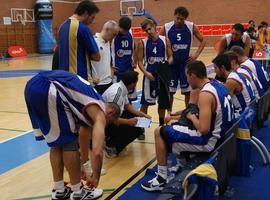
[131, 7]
[20, 18]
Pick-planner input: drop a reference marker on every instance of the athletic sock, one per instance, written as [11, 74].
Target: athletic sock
[76, 188]
[59, 185]
[162, 171]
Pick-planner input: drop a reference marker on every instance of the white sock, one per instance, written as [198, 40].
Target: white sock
[59, 185]
[162, 171]
[76, 188]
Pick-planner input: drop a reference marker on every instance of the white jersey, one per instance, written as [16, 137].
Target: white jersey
[243, 99]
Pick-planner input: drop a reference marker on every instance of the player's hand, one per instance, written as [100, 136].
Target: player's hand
[149, 76]
[190, 116]
[193, 57]
[96, 81]
[132, 121]
[147, 116]
[92, 182]
[167, 119]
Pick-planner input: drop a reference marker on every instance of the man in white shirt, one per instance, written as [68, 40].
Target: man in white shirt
[123, 132]
[101, 70]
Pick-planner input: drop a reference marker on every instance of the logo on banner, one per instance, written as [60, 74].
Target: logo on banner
[17, 51]
[259, 54]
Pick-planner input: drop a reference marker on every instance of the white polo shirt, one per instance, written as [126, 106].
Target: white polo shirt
[118, 94]
[102, 68]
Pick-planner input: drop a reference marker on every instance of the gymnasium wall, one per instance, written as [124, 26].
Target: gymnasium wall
[201, 12]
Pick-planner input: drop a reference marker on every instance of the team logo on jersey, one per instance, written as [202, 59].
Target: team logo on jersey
[121, 53]
[152, 60]
[176, 47]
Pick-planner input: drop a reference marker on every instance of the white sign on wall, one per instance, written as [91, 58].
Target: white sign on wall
[7, 20]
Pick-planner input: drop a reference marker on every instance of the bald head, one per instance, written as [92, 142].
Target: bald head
[110, 30]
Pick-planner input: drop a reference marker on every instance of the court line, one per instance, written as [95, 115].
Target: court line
[12, 138]
[6, 111]
[121, 187]
[48, 196]
[15, 130]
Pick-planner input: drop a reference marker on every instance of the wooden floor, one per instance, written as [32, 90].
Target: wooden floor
[33, 179]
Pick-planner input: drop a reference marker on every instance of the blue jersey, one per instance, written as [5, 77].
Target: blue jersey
[76, 42]
[181, 40]
[258, 71]
[122, 51]
[255, 83]
[56, 102]
[223, 116]
[154, 52]
[230, 42]
[242, 99]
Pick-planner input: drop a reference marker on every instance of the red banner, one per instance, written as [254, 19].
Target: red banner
[259, 54]
[17, 51]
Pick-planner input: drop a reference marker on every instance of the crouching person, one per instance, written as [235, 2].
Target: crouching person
[215, 118]
[124, 130]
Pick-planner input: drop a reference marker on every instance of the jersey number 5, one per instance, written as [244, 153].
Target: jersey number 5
[178, 36]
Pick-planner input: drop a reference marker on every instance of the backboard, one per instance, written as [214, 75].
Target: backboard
[131, 7]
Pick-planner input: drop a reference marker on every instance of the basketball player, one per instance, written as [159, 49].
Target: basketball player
[76, 42]
[123, 54]
[59, 103]
[238, 85]
[215, 118]
[180, 33]
[253, 66]
[238, 37]
[254, 81]
[151, 51]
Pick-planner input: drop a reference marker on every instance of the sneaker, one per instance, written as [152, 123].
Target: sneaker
[156, 184]
[56, 194]
[87, 194]
[110, 152]
[142, 135]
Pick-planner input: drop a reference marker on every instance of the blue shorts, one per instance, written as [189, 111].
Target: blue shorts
[179, 75]
[56, 101]
[42, 99]
[180, 138]
[149, 91]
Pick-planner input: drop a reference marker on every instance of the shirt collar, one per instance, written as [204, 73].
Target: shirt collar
[125, 91]
[98, 35]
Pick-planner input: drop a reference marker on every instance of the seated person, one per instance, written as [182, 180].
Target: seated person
[255, 83]
[238, 85]
[123, 132]
[216, 116]
[193, 101]
[253, 65]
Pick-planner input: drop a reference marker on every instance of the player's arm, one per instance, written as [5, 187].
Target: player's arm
[90, 45]
[135, 56]
[202, 41]
[203, 124]
[162, 31]
[169, 51]
[136, 112]
[222, 46]
[231, 85]
[98, 135]
[247, 45]
[140, 61]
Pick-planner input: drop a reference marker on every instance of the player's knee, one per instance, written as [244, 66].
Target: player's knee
[157, 132]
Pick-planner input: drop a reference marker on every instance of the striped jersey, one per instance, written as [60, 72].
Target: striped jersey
[230, 42]
[223, 114]
[242, 99]
[56, 102]
[181, 40]
[154, 52]
[122, 52]
[254, 81]
[259, 72]
[76, 42]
